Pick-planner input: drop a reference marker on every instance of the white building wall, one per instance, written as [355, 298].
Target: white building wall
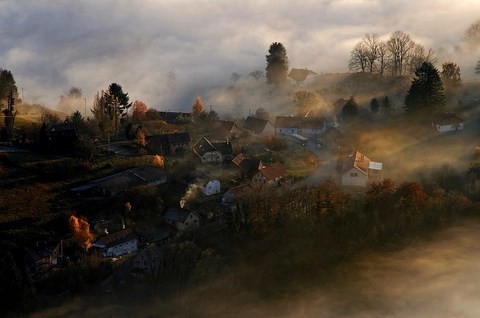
[212, 187]
[354, 177]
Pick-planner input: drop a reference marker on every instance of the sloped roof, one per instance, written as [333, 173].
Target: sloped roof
[225, 148]
[299, 122]
[255, 124]
[246, 164]
[116, 238]
[300, 74]
[448, 119]
[203, 146]
[172, 117]
[64, 127]
[273, 171]
[240, 189]
[176, 214]
[222, 126]
[358, 161]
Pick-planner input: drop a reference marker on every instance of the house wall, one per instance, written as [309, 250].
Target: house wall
[453, 127]
[268, 130]
[121, 249]
[354, 177]
[286, 131]
[212, 156]
[212, 187]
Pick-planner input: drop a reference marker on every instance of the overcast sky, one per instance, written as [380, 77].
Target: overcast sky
[51, 46]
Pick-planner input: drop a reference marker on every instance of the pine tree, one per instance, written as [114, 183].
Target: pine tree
[374, 105]
[350, 109]
[477, 68]
[277, 64]
[426, 94]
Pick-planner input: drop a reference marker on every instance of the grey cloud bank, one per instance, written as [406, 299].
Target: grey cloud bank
[51, 45]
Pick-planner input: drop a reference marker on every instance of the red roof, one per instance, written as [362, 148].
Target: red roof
[273, 171]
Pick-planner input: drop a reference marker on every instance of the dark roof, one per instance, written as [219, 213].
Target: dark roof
[255, 124]
[127, 179]
[41, 250]
[222, 127]
[176, 214]
[64, 127]
[116, 238]
[246, 164]
[299, 122]
[448, 119]
[203, 146]
[300, 74]
[168, 139]
[225, 148]
[172, 117]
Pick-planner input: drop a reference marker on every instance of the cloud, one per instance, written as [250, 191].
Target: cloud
[51, 46]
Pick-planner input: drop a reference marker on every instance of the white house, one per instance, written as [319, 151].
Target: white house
[358, 170]
[119, 243]
[216, 152]
[448, 122]
[212, 187]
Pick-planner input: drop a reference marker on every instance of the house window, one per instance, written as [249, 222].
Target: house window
[353, 174]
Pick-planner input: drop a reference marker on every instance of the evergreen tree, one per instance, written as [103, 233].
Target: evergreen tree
[386, 105]
[426, 94]
[374, 105]
[7, 85]
[477, 68]
[277, 64]
[350, 109]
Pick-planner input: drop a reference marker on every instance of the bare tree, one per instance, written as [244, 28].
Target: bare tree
[418, 55]
[382, 57]
[256, 74]
[399, 46]
[371, 43]
[451, 75]
[358, 58]
[472, 35]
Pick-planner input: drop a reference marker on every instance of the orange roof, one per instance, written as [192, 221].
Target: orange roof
[358, 161]
[273, 171]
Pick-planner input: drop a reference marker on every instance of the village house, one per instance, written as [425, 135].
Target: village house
[182, 219]
[270, 175]
[223, 129]
[248, 167]
[212, 187]
[150, 260]
[257, 126]
[168, 144]
[64, 136]
[42, 256]
[307, 126]
[213, 152]
[234, 193]
[122, 181]
[116, 244]
[448, 122]
[358, 170]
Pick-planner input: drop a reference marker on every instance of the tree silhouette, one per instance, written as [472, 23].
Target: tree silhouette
[277, 64]
[350, 109]
[198, 108]
[426, 94]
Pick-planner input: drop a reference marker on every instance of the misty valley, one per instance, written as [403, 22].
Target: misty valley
[283, 191]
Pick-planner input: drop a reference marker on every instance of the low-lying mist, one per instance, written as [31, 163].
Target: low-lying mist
[433, 277]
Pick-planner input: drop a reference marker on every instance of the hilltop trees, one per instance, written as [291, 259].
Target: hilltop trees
[399, 55]
[477, 68]
[472, 35]
[139, 111]
[426, 94]
[277, 64]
